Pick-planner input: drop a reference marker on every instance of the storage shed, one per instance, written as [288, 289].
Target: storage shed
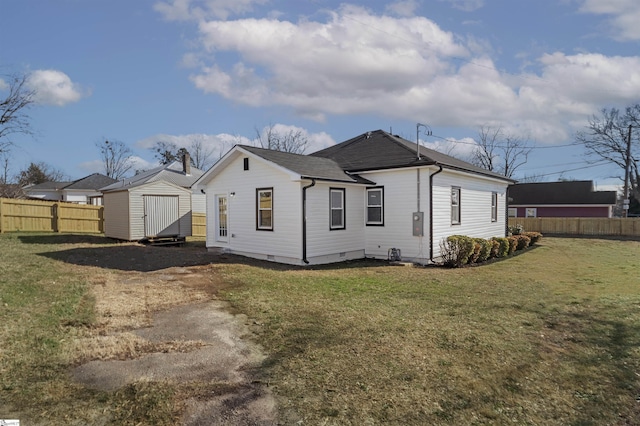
[157, 209]
[152, 204]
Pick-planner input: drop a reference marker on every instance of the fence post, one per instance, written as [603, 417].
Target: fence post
[56, 217]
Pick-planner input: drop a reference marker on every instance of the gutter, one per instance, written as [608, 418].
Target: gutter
[304, 220]
[431, 211]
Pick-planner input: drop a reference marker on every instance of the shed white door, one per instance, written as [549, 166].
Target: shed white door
[161, 215]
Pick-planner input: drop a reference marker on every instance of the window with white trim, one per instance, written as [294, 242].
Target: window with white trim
[375, 206]
[455, 205]
[531, 212]
[513, 212]
[336, 205]
[264, 209]
[494, 207]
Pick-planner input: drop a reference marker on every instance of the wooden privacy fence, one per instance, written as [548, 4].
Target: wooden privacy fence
[48, 216]
[198, 224]
[625, 227]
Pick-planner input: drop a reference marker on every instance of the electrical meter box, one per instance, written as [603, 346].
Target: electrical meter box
[418, 224]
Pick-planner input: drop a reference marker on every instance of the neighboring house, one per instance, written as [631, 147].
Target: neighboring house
[153, 204]
[560, 199]
[85, 190]
[371, 196]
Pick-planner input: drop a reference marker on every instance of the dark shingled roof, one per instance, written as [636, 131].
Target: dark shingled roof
[307, 166]
[94, 181]
[48, 185]
[554, 193]
[381, 150]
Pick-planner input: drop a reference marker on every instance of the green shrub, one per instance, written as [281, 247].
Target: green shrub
[456, 250]
[534, 236]
[484, 249]
[503, 246]
[495, 248]
[522, 241]
[513, 244]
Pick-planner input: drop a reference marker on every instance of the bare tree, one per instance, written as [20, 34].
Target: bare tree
[499, 151]
[606, 137]
[13, 108]
[116, 157]
[293, 141]
[201, 155]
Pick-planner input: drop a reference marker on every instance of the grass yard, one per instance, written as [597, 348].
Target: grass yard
[551, 336]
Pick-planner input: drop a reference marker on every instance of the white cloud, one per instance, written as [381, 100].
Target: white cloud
[185, 10]
[223, 142]
[3, 85]
[624, 16]
[54, 87]
[404, 8]
[97, 166]
[356, 62]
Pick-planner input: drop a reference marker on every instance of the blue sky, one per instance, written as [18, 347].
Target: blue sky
[174, 70]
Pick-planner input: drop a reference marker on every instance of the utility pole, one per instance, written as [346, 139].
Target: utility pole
[625, 201]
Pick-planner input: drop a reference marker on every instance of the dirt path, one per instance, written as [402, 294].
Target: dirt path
[167, 325]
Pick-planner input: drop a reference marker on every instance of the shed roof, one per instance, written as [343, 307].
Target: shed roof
[172, 173]
[556, 193]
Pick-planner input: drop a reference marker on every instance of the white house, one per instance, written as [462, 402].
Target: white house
[82, 191]
[369, 196]
[154, 204]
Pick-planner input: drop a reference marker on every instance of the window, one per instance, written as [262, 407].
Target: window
[245, 163]
[455, 205]
[336, 205]
[531, 212]
[513, 212]
[222, 223]
[494, 207]
[375, 206]
[264, 209]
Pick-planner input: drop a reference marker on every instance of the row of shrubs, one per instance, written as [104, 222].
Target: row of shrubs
[460, 250]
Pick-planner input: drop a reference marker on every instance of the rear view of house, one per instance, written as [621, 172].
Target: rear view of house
[371, 196]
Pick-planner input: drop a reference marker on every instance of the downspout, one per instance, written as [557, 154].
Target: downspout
[431, 211]
[304, 220]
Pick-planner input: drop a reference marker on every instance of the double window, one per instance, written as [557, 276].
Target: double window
[336, 205]
[264, 209]
[375, 206]
[455, 206]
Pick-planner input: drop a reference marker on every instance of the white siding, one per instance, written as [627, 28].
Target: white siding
[198, 202]
[323, 244]
[400, 201]
[116, 215]
[284, 242]
[475, 204]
